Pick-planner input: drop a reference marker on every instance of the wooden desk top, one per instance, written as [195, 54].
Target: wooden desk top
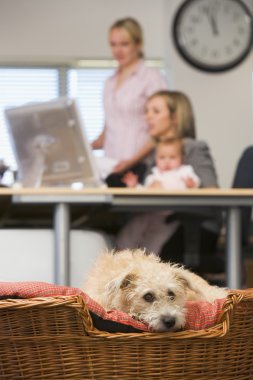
[128, 197]
[127, 192]
[36, 206]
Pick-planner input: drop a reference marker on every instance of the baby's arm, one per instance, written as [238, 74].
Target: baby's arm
[190, 183]
[153, 181]
[156, 185]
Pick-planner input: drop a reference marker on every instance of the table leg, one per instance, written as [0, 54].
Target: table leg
[233, 248]
[61, 244]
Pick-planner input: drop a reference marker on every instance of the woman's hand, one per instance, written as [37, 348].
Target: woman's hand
[130, 179]
[122, 166]
[99, 142]
[96, 144]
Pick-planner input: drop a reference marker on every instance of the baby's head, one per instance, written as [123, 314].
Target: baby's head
[169, 154]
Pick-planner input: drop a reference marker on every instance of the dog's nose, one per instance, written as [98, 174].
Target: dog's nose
[169, 322]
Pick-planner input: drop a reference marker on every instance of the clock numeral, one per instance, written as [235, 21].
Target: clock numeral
[241, 30]
[226, 8]
[236, 16]
[215, 53]
[228, 50]
[195, 19]
[189, 29]
[194, 42]
[204, 51]
[204, 9]
[236, 42]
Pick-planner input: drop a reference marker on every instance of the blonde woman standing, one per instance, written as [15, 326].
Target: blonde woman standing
[125, 94]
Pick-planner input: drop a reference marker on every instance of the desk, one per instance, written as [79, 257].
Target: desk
[135, 199]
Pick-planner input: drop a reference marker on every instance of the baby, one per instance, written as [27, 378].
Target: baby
[169, 172]
[150, 230]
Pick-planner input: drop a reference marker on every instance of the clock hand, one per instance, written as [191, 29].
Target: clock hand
[212, 19]
[214, 24]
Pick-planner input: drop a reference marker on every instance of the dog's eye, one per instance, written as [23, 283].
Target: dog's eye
[149, 297]
[171, 295]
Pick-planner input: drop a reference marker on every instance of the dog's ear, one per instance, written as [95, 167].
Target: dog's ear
[182, 281]
[192, 282]
[124, 281]
[128, 280]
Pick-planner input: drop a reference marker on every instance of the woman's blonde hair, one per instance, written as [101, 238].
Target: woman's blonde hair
[133, 28]
[185, 116]
[179, 105]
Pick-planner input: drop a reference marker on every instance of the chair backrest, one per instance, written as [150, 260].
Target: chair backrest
[244, 171]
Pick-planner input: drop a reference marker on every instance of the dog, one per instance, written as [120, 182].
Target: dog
[154, 292]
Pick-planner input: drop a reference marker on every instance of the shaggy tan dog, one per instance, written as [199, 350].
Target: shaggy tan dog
[146, 288]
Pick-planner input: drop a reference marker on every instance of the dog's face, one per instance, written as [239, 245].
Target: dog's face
[146, 288]
[157, 298]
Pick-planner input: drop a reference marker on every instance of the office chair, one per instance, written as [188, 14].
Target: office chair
[192, 244]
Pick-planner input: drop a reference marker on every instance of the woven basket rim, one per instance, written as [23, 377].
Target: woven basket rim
[76, 301]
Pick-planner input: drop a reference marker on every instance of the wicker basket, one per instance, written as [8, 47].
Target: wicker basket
[53, 338]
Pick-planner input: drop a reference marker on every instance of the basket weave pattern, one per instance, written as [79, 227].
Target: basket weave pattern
[54, 338]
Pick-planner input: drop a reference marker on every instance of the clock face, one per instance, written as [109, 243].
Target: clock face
[213, 35]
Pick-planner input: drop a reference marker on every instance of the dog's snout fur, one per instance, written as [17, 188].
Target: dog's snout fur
[141, 285]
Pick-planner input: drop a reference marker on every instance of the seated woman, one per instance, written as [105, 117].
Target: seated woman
[185, 127]
[169, 114]
[150, 230]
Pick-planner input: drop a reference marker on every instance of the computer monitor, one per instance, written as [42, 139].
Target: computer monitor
[50, 144]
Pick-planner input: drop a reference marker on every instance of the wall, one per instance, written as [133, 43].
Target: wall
[222, 102]
[46, 29]
[49, 30]
[35, 262]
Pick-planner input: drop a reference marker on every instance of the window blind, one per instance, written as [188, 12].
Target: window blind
[19, 86]
[87, 86]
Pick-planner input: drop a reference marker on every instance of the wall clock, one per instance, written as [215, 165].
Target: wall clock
[213, 35]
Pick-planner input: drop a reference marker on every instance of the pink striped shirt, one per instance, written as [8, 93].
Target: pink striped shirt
[125, 128]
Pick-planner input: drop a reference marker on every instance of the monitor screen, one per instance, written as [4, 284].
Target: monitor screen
[50, 144]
